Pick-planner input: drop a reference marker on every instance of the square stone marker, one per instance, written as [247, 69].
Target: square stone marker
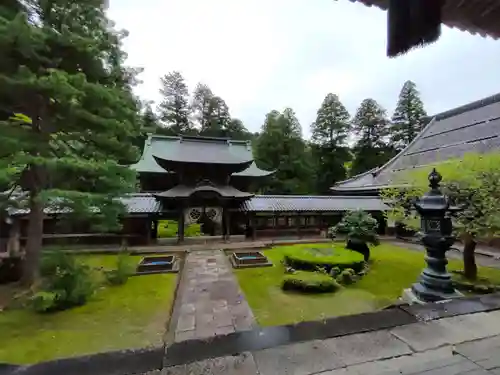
[365, 347]
[298, 359]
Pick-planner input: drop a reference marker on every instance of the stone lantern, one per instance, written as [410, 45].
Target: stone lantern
[435, 282]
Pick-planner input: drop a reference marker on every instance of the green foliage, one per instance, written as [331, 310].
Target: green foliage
[310, 258]
[66, 283]
[347, 277]
[169, 228]
[473, 181]
[174, 107]
[409, 117]
[359, 225]
[329, 148]
[371, 125]
[44, 301]
[124, 269]
[309, 282]
[62, 70]
[280, 147]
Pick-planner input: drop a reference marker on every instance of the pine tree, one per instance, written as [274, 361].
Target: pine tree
[280, 147]
[61, 68]
[372, 128]
[409, 117]
[329, 149]
[174, 108]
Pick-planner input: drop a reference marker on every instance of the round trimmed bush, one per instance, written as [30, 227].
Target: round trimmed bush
[310, 282]
[312, 258]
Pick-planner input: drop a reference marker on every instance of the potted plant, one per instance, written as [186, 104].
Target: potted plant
[360, 229]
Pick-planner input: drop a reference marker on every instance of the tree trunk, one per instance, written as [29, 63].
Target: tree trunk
[34, 242]
[470, 267]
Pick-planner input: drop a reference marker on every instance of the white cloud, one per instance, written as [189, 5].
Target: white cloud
[269, 54]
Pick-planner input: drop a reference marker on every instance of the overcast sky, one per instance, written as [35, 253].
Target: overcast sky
[260, 55]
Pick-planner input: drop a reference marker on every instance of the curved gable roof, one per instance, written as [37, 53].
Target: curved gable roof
[474, 127]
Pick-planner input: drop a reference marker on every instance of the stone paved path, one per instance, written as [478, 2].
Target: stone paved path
[209, 300]
[460, 345]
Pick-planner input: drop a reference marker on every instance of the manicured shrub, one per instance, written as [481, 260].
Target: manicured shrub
[310, 258]
[360, 228]
[347, 277]
[309, 282]
[65, 283]
[124, 269]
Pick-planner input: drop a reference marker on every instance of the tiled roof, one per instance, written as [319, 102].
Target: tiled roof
[305, 203]
[196, 150]
[474, 16]
[474, 127]
[146, 203]
[183, 191]
[138, 203]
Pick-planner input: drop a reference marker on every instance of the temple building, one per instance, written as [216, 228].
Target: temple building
[471, 128]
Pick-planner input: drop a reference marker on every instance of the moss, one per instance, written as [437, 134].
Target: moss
[118, 317]
[392, 269]
[310, 282]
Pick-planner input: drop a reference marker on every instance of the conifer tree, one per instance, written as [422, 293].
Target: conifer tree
[409, 117]
[372, 149]
[174, 108]
[61, 70]
[329, 148]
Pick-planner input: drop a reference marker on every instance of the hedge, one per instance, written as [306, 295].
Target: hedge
[310, 282]
[301, 258]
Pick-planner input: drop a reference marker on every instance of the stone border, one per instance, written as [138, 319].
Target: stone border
[148, 359]
[175, 268]
[235, 265]
[109, 363]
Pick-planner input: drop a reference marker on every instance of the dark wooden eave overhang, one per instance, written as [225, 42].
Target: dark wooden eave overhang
[474, 16]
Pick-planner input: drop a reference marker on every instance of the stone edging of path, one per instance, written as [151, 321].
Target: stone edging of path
[149, 359]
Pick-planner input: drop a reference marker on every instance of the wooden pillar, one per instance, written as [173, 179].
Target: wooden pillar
[149, 236]
[227, 224]
[253, 225]
[180, 226]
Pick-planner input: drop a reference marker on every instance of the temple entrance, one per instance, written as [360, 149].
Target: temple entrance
[210, 219]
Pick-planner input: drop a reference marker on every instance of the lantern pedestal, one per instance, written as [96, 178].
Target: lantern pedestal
[435, 282]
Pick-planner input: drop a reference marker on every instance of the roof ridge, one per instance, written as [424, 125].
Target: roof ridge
[291, 196]
[492, 99]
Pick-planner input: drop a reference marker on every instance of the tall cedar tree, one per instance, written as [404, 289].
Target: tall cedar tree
[201, 106]
[61, 67]
[217, 118]
[174, 108]
[329, 149]
[280, 147]
[409, 117]
[372, 128]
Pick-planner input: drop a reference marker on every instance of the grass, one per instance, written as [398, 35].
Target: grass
[168, 229]
[119, 317]
[393, 269]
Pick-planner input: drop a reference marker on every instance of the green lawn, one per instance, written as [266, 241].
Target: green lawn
[392, 270]
[120, 317]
